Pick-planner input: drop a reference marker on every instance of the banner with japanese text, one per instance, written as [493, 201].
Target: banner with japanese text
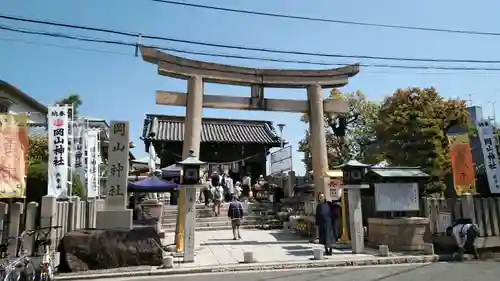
[488, 146]
[464, 180]
[13, 153]
[58, 148]
[79, 164]
[92, 147]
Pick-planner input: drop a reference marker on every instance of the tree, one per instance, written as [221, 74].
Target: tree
[72, 99]
[412, 128]
[359, 124]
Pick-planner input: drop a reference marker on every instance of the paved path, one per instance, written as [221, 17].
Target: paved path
[467, 271]
[218, 248]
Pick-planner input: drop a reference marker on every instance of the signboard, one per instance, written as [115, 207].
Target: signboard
[394, 197]
[334, 186]
[444, 220]
[118, 153]
[13, 153]
[79, 164]
[281, 160]
[464, 180]
[58, 148]
[488, 146]
[92, 164]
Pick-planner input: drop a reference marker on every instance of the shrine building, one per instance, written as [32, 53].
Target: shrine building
[238, 146]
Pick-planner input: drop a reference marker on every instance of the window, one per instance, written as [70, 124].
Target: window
[4, 107]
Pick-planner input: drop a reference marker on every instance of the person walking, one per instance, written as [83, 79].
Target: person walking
[207, 194]
[323, 222]
[230, 187]
[217, 194]
[238, 190]
[235, 214]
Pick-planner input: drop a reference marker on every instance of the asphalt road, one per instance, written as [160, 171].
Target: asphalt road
[465, 271]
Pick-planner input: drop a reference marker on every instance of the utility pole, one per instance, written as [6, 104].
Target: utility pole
[494, 113]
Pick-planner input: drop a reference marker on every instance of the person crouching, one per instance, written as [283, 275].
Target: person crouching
[465, 234]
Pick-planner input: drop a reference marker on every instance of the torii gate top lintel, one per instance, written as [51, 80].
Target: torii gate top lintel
[179, 67]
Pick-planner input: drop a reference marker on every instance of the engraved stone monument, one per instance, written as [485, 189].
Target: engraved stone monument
[353, 176]
[116, 215]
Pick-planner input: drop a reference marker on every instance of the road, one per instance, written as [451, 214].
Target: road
[466, 271]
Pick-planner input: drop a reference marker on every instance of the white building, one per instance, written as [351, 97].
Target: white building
[14, 101]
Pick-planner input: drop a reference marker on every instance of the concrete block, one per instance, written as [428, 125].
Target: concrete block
[319, 254]
[383, 250]
[429, 248]
[248, 257]
[168, 262]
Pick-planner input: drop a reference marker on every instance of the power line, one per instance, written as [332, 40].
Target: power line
[7, 39]
[234, 56]
[257, 13]
[237, 47]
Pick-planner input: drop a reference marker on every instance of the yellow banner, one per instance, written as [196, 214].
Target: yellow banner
[464, 179]
[13, 155]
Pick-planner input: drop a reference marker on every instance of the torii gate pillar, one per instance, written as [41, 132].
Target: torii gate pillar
[317, 139]
[194, 110]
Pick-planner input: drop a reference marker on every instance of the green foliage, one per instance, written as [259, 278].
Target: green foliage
[411, 130]
[72, 99]
[359, 141]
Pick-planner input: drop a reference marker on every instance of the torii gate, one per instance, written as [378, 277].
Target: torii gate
[198, 72]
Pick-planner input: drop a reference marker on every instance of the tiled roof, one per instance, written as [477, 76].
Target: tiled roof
[10, 89]
[171, 128]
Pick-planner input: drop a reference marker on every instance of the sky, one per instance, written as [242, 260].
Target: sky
[116, 85]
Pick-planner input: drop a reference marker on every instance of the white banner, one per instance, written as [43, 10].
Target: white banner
[79, 163]
[488, 146]
[58, 149]
[92, 146]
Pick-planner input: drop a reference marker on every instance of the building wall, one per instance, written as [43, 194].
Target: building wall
[19, 107]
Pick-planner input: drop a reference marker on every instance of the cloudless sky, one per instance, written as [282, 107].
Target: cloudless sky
[116, 85]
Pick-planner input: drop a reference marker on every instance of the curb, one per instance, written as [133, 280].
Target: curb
[254, 267]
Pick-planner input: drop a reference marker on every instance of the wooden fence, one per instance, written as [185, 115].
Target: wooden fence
[70, 215]
[485, 212]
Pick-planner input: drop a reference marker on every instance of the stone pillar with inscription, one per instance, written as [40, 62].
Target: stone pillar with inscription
[353, 177]
[191, 167]
[190, 221]
[115, 214]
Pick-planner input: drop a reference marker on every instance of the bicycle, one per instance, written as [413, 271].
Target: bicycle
[46, 269]
[21, 268]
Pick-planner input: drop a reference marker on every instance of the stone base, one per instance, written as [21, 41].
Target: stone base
[400, 234]
[114, 219]
[83, 250]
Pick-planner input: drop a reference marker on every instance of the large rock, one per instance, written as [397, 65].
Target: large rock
[102, 249]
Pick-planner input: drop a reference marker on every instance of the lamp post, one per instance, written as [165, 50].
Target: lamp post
[282, 144]
[186, 215]
[281, 126]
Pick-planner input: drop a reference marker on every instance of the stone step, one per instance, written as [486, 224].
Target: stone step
[220, 218]
[218, 224]
[171, 230]
[209, 213]
[202, 206]
[224, 207]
